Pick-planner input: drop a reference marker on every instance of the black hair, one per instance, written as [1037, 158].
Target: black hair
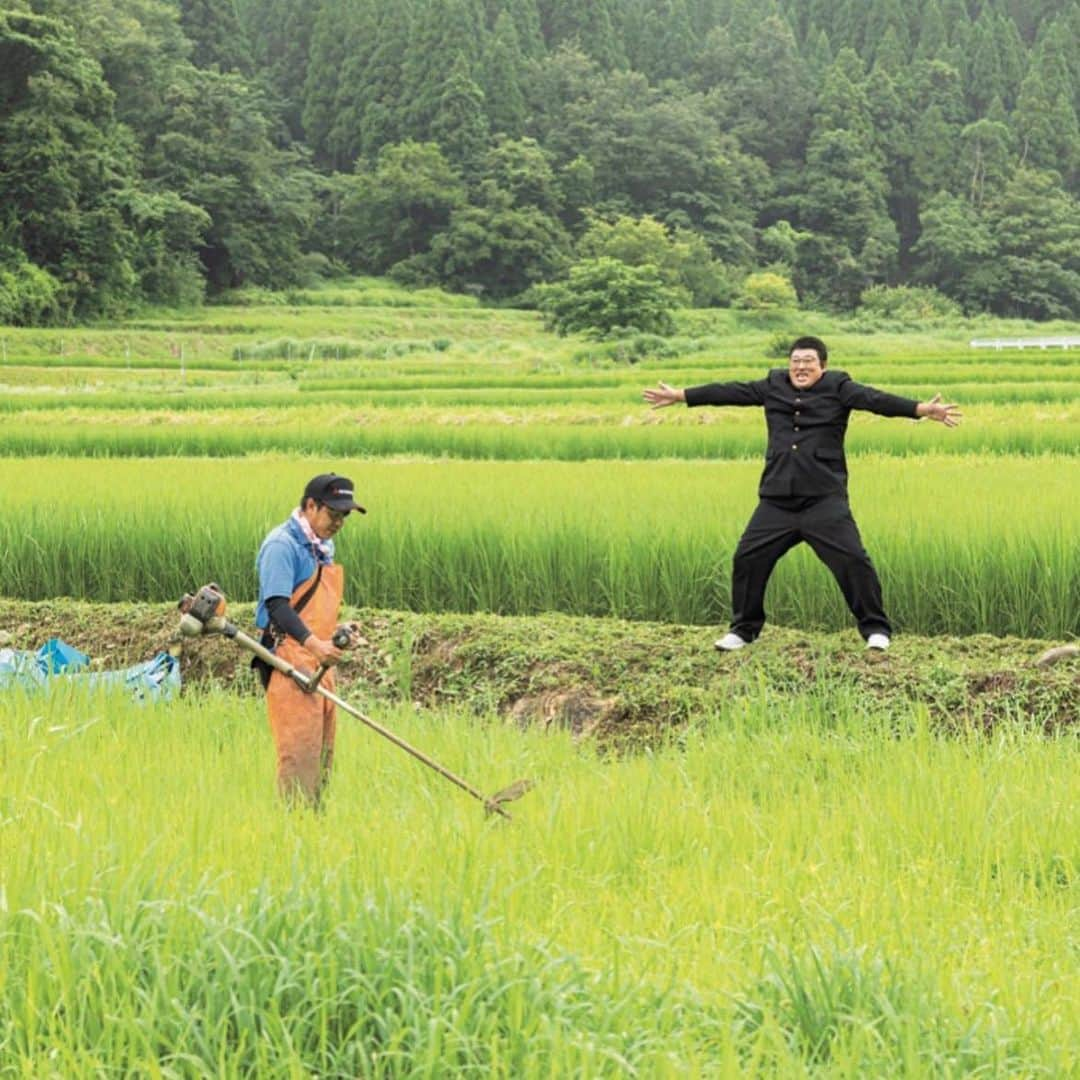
[811, 343]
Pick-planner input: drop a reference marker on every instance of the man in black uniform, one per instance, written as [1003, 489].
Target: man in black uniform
[803, 490]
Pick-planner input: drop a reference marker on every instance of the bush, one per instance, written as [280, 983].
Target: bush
[28, 294]
[907, 303]
[681, 256]
[779, 347]
[603, 296]
[767, 292]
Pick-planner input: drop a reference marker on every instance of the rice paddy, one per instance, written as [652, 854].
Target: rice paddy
[803, 879]
[800, 884]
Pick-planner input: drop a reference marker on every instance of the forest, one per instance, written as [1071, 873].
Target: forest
[164, 153]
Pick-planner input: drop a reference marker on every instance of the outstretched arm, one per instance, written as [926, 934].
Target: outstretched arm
[730, 393]
[934, 409]
[857, 396]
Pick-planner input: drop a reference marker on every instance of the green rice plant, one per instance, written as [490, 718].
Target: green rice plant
[804, 884]
[641, 540]
[577, 432]
[621, 404]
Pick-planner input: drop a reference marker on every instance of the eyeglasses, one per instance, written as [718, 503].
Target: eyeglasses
[336, 516]
[804, 363]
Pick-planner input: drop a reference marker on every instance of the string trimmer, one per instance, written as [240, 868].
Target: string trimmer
[204, 613]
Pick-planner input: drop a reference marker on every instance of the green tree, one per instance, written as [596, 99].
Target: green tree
[956, 250]
[502, 67]
[279, 33]
[986, 158]
[887, 31]
[602, 296]
[524, 170]
[526, 19]
[214, 31]
[661, 154]
[140, 47]
[397, 210]
[217, 149]
[67, 168]
[933, 36]
[766, 97]
[460, 125]
[577, 189]
[1045, 126]
[553, 85]
[443, 32]
[844, 196]
[587, 23]
[933, 144]
[1037, 226]
[329, 39]
[818, 52]
[682, 257]
[1013, 60]
[494, 248]
[343, 141]
[778, 246]
[383, 81]
[665, 40]
[169, 232]
[985, 74]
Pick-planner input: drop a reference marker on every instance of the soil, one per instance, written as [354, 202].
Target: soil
[620, 682]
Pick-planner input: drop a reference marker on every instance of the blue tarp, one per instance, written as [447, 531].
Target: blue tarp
[154, 679]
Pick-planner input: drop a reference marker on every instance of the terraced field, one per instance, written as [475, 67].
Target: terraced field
[803, 862]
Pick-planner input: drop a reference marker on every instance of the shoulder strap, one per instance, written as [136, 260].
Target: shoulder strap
[302, 602]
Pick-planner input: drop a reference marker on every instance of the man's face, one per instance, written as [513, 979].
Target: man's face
[804, 368]
[324, 521]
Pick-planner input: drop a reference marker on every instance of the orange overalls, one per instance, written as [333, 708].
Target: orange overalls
[303, 725]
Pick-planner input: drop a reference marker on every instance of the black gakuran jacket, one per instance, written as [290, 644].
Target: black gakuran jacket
[806, 427]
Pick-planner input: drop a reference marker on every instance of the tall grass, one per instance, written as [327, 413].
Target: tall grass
[574, 432]
[648, 540]
[803, 885]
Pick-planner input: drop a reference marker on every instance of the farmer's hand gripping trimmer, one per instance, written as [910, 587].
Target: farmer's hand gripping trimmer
[204, 613]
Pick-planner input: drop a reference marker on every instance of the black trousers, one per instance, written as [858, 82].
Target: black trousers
[826, 524]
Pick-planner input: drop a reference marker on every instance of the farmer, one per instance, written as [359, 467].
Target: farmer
[803, 490]
[300, 591]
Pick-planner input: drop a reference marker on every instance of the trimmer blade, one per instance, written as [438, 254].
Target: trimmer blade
[509, 794]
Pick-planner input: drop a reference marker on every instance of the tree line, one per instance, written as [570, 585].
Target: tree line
[162, 150]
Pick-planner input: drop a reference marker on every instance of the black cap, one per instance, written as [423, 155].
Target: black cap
[334, 491]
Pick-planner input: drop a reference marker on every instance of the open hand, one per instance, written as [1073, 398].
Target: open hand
[663, 395]
[949, 415]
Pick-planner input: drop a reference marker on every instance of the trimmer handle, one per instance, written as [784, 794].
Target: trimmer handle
[340, 639]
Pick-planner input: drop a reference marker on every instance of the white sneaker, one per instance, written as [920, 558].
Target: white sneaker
[878, 641]
[729, 642]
